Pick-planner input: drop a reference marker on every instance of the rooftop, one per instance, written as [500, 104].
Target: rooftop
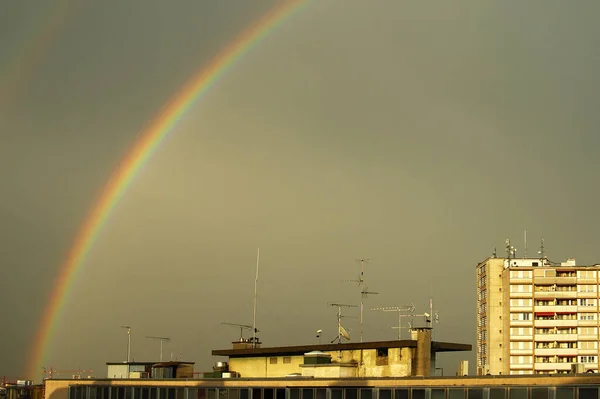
[302, 349]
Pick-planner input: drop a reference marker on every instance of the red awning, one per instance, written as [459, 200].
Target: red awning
[544, 313]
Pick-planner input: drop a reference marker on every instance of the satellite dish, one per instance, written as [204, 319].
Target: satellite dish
[344, 333]
[319, 331]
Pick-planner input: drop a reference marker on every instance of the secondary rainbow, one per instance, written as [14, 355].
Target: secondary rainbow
[142, 150]
[31, 50]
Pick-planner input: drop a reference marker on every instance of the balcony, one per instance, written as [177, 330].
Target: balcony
[557, 309]
[521, 337]
[546, 280]
[521, 352]
[553, 366]
[557, 323]
[521, 366]
[566, 294]
[521, 309]
[544, 294]
[556, 351]
[566, 280]
[521, 294]
[554, 337]
[521, 323]
[588, 337]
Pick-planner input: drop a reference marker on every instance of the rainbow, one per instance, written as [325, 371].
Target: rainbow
[29, 54]
[142, 150]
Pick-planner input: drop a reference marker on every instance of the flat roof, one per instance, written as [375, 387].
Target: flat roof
[301, 350]
[130, 363]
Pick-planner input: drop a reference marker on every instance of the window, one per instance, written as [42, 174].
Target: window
[587, 359]
[587, 316]
[287, 359]
[586, 288]
[382, 357]
[588, 330]
[586, 274]
[273, 360]
[588, 344]
[587, 302]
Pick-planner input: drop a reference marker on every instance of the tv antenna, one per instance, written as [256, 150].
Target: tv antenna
[162, 340]
[128, 342]
[242, 327]
[364, 292]
[542, 251]
[399, 309]
[341, 330]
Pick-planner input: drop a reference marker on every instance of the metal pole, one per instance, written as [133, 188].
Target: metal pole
[255, 288]
[399, 325]
[128, 345]
[161, 349]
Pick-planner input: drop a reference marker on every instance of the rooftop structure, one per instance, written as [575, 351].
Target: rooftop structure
[416, 356]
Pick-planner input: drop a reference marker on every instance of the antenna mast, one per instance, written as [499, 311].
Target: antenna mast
[255, 290]
[525, 249]
[162, 340]
[364, 292]
[128, 342]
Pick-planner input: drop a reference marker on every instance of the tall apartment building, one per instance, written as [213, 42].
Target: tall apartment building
[535, 317]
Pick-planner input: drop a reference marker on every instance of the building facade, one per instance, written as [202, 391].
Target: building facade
[536, 317]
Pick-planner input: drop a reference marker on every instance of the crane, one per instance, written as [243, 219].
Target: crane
[162, 340]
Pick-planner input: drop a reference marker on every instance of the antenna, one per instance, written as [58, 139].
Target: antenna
[242, 327]
[494, 253]
[399, 309]
[128, 342]
[525, 249]
[364, 292]
[542, 251]
[341, 330]
[255, 288]
[511, 252]
[162, 340]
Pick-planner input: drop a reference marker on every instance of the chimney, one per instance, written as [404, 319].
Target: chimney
[422, 357]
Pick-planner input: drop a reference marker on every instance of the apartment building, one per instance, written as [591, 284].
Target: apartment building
[536, 317]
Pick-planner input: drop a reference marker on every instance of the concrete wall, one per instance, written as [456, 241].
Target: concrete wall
[118, 371]
[495, 310]
[399, 364]
[255, 367]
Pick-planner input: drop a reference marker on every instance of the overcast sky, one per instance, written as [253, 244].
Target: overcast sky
[417, 134]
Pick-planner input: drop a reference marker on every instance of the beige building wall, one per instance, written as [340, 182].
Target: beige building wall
[274, 366]
[490, 317]
[397, 363]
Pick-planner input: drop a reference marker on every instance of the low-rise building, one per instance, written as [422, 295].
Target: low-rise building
[415, 357]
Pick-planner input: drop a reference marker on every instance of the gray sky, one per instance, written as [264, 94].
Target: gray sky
[418, 134]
